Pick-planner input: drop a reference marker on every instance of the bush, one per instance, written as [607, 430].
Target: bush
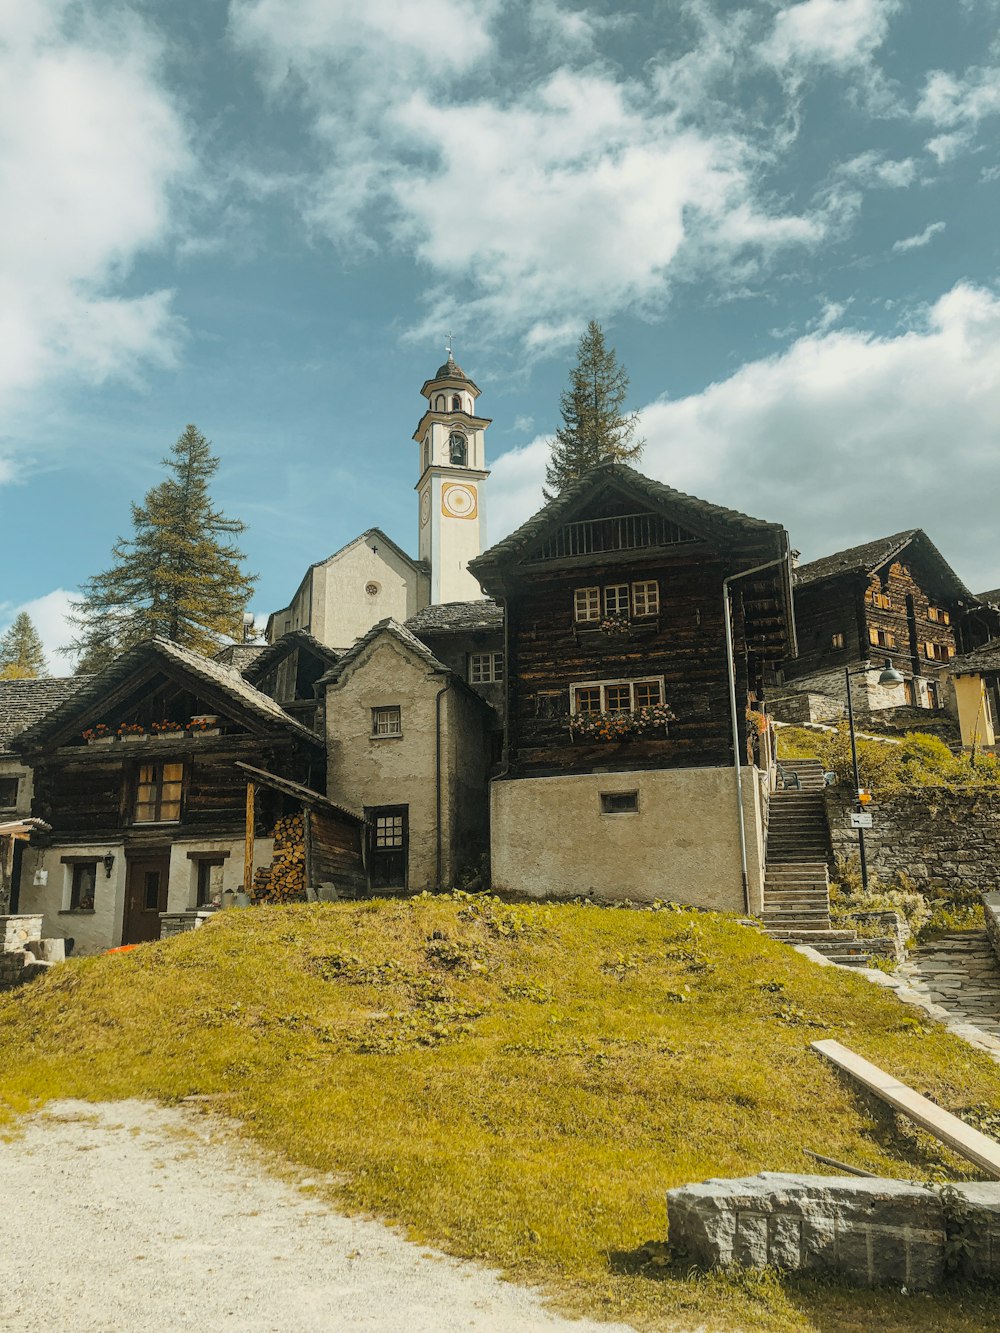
[902, 896]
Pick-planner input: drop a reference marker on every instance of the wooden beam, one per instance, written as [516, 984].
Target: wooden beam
[248, 848]
[968, 1142]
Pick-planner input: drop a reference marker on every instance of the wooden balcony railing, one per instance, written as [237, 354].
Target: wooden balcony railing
[622, 532]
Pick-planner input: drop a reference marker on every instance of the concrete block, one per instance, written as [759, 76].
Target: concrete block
[48, 951]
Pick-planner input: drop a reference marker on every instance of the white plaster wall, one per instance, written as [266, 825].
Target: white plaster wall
[343, 611]
[182, 885]
[550, 839]
[93, 931]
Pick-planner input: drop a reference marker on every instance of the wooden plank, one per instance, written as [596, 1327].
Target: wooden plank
[248, 848]
[968, 1142]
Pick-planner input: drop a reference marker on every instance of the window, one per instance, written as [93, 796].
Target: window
[456, 403]
[8, 792]
[616, 599]
[209, 886]
[158, 793]
[933, 698]
[938, 614]
[619, 802]
[439, 403]
[882, 638]
[645, 598]
[389, 831]
[882, 600]
[587, 604]
[458, 449]
[485, 668]
[619, 696]
[909, 695]
[387, 722]
[837, 640]
[83, 886]
[938, 652]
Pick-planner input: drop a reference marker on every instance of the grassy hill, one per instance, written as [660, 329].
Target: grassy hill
[519, 1084]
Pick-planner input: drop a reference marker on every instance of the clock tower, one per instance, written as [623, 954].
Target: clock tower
[451, 490]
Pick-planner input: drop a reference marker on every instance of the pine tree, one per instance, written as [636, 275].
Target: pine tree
[594, 429]
[21, 652]
[177, 576]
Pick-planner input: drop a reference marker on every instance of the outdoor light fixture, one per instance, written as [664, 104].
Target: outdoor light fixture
[888, 676]
[109, 863]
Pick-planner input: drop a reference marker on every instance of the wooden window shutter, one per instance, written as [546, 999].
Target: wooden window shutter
[873, 636]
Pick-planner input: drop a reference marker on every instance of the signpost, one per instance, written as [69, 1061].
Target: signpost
[859, 819]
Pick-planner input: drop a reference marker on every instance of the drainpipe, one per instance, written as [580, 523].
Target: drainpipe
[737, 743]
[437, 772]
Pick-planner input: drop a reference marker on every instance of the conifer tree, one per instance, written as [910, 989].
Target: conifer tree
[21, 652]
[178, 576]
[595, 429]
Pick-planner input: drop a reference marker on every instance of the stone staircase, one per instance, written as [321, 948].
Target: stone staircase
[796, 880]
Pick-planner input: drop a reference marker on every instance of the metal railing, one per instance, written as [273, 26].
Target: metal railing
[622, 532]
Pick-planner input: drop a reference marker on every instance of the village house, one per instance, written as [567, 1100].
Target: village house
[137, 775]
[975, 679]
[894, 599]
[620, 778]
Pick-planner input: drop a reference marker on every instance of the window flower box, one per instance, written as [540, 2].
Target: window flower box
[203, 726]
[99, 735]
[167, 729]
[131, 731]
[649, 723]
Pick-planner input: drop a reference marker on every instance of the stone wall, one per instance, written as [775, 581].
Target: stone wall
[939, 837]
[867, 1231]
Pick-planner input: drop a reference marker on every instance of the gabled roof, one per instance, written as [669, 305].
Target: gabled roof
[268, 657]
[398, 632]
[226, 680]
[871, 556]
[982, 659]
[991, 598]
[702, 516]
[298, 792]
[457, 618]
[25, 702]
[239, 655]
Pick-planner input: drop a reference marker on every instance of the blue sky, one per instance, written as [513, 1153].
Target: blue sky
[264, 216]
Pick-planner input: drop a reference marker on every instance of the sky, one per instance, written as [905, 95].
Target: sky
[266, 216]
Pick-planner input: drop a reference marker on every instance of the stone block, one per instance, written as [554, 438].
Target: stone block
[48, 951]
[16, 930]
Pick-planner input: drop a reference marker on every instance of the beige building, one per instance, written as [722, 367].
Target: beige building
[975, 679]
[372, 578]
[409, 742]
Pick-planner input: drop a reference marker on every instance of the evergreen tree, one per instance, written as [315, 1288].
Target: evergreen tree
[594, 429]
[178, 576]
[21, 651]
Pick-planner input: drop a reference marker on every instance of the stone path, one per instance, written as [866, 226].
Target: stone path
[960, 973]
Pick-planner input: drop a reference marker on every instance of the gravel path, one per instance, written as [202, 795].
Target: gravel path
[142, 1219]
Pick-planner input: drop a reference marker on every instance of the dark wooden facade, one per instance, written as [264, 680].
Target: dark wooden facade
[896, 598]
[617, 528]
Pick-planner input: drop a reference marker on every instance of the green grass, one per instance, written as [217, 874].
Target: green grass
[914, 760]
[518, 1084]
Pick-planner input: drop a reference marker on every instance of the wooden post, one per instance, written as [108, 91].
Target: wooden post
[248, 851]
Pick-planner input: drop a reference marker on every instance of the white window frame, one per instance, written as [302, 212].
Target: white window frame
[586, 605]
[613, 599]
[645, 598]
[382, 719]
[602, 685]
[485, 668]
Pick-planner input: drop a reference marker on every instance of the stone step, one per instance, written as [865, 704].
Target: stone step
[830, 936]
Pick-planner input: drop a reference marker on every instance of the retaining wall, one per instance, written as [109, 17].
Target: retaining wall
[947, 839]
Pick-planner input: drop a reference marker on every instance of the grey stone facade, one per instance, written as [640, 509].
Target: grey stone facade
[940, 837]
[867, 1231]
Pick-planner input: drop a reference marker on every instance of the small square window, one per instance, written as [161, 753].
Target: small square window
[645, 599]
[387, 722]
[8, 792]
[619, 698]
[83, 887]
[619, 802]
[647, 693]
[588, 699]
[837, 640]
[616, 601]
[484, 668]
[587, 604]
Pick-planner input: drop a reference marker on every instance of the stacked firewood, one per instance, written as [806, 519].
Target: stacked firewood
[284, 880]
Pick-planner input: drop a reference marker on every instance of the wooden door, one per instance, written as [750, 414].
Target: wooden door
[145, 898]
[388, 846]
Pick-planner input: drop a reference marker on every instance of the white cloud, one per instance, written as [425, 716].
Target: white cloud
[874, 170]
[920, 240]
[950, 102]
[843, 437]
[835, 33]
[49, 614]
[91, 148]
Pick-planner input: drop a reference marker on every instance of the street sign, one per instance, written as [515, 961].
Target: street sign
[859, 819]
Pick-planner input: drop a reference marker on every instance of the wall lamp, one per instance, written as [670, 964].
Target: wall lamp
[109, 863]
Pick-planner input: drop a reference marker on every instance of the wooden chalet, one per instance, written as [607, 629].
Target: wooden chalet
[896, 599]
[137, 775]
[617, 665]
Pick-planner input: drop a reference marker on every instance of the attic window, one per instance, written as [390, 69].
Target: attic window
[938, 614]
[387, 721]
[882, 600]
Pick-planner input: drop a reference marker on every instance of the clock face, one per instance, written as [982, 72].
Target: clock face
[458, 500]
[425, 507]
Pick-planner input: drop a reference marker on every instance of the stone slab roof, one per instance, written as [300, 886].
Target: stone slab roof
[25, 702]
[457, 618]
[240, 655]
[224, 678]
[299, 792]
[700, 513]
[986, 658]
[870, 556]
[270, 654]
[399, 632]
[992, 597]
